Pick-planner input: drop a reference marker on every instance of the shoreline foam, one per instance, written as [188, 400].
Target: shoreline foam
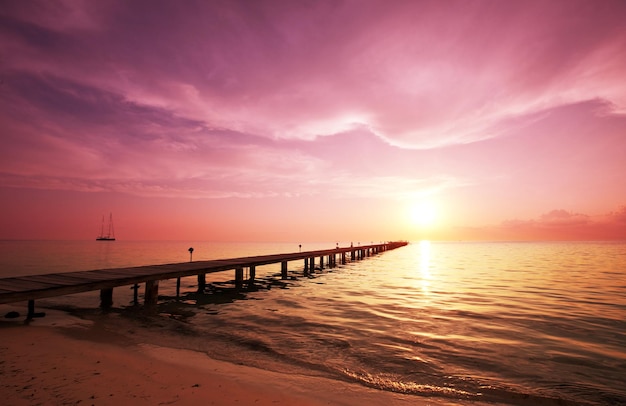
[66, 360]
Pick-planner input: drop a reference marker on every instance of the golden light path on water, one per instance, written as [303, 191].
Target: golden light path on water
[425, 266]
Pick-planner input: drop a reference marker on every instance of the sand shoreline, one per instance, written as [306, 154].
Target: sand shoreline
[63, 360]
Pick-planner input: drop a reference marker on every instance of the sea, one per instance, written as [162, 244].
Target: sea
[519, 323]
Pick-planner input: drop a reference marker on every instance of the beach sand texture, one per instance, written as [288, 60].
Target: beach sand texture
[64, 360]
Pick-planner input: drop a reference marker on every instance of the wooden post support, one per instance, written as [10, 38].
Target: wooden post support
[312, 264]
[238, 278]
[177, 287]
[201, 282]
[283, 270]
[151, 296]
[322, 262]
[135, 294]
[343, 258]
[252, 274]
[31, 310]
[306, 266]
[106, 298]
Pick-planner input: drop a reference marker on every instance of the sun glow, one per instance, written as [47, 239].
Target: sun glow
[424, 214]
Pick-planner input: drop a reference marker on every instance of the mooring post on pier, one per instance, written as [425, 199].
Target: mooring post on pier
[106, 298]
[152, 293]
[283, 270]
[238, 278]
[201, 282]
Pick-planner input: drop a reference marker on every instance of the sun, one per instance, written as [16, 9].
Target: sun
[424, 214]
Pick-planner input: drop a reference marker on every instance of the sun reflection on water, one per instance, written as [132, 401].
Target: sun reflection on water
[425, 266]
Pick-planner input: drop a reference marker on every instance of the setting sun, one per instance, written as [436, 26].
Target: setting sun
[424, 214]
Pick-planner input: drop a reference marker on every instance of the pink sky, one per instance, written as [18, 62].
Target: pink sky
[317, 121]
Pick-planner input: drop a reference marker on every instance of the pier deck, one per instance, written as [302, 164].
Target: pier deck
[21, 288]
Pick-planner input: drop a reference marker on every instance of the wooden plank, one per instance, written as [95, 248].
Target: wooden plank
[56, 279]
[19, 285]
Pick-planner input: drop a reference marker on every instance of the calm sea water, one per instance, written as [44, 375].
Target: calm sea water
[512, 323]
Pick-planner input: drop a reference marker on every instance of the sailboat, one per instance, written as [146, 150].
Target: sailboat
[110, 235]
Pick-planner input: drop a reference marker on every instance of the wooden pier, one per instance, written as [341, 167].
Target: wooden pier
[30, 288]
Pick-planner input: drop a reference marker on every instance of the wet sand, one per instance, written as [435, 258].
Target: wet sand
[64, 360]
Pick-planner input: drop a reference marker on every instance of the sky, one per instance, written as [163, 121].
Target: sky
[313, 120]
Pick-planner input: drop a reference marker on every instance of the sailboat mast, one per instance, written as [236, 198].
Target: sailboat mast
[111, 231]
[110, 236]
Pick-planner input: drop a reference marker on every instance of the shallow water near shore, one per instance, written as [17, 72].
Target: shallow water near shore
[512, 323]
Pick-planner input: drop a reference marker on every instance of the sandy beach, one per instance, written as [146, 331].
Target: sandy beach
[63, 360]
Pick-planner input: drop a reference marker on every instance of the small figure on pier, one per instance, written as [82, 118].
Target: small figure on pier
[190, 253]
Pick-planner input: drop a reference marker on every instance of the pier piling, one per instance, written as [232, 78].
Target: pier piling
[283, 270]
[252, 274]
[151, 296]
[238, 278]
[201, 282]
[106, 298]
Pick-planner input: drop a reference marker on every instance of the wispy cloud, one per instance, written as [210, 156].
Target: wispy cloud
[558, 224]
[522, 102]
